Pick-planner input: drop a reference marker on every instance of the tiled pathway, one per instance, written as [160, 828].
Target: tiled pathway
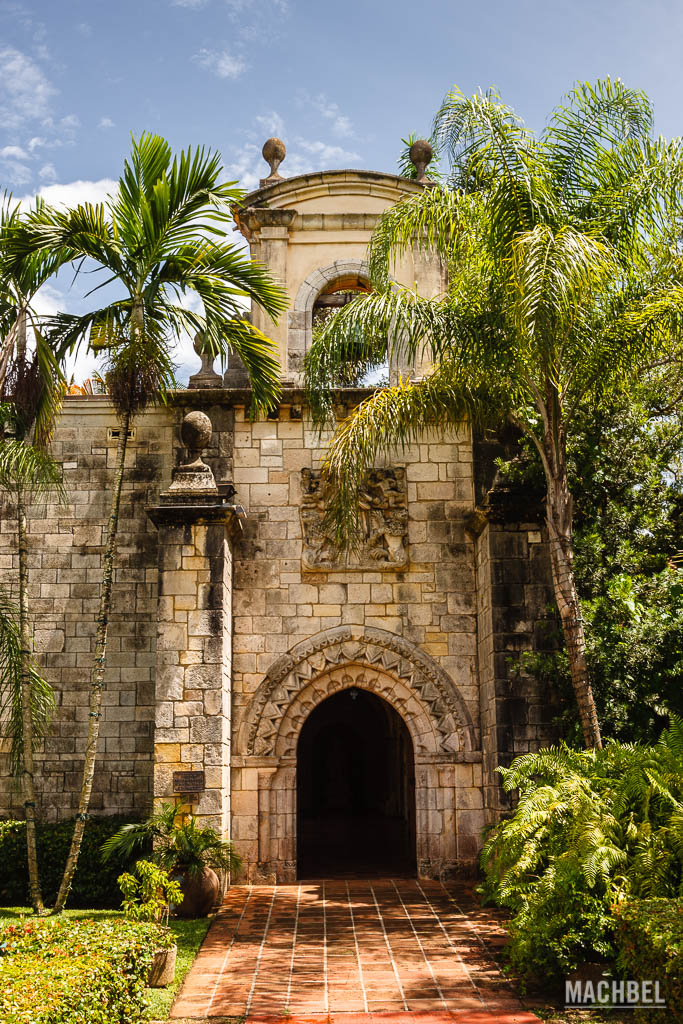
[339, 950]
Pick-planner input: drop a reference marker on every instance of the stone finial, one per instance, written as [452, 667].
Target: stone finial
[421, 154]
[207, 376]
[274, 152]
[193, 476]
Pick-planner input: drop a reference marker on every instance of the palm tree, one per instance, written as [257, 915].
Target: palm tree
[31, 389]
[564, 280]
[159, 237]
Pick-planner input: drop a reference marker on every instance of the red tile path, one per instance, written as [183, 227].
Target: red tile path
[351, 952]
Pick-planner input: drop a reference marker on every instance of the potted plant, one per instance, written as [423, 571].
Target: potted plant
[147, 896]
[189, 852]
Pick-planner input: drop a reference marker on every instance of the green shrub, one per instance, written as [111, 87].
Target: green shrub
[94, 883]
[650, 939]
[592, 827]
[149, 892]
[61, 971]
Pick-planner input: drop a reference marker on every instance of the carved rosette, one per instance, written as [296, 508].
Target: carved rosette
[383, 517]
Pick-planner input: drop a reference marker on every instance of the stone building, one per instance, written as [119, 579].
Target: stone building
[333, 712]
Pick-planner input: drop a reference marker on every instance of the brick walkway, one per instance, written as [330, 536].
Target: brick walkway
[345, 950]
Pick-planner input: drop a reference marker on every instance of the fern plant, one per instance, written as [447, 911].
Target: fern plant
[591, 829]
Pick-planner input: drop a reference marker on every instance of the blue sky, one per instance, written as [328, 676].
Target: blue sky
[339, 82]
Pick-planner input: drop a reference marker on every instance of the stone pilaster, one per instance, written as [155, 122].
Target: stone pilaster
[194, 634]
[268, 232]
[514, 612]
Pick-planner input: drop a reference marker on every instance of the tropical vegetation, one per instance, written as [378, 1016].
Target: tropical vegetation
[626, 476]
[563, 285]
[148, 893]
[159, 238]
[31, 388]
[94, 883]
[175, 842]
[66, 971]
[650, 941]
[592, 829]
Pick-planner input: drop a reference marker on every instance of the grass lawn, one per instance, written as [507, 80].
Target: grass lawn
[189, 936]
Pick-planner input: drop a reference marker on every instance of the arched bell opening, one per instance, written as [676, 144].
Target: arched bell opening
[355, 789]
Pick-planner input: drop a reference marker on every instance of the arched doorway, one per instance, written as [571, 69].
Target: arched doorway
[355, 789]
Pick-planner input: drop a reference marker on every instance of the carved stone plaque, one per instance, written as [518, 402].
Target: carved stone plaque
[384, 523]
[188, 782]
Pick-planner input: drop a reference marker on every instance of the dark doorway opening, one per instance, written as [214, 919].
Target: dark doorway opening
[355, 789]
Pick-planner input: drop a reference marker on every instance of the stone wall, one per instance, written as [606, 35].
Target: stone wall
[65, 555]
[208, 618]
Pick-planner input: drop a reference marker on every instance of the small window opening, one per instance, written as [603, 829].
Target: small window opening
[334, 297]
[114, 433]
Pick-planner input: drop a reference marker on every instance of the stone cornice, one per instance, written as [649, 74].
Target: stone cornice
[337, 181]
[178, 513]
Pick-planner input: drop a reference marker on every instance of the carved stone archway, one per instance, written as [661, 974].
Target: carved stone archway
[443, 735]
[378, 649]
[300, 316]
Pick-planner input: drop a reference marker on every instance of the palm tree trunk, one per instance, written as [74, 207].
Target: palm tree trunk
[97, 674]
[27, 775]
[559, 519]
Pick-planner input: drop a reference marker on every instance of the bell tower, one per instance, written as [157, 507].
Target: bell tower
[312, 232]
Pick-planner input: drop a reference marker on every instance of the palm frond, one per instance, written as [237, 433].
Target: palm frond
[395, 417]
[30, 468]
[42, 696]
[595, 117]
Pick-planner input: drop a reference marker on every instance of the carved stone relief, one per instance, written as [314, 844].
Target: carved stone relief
[384, 524]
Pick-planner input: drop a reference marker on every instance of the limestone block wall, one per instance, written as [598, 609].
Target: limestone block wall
[189, 652]
[65, 554]
[515, 601]
[431, 603]
[193, 672]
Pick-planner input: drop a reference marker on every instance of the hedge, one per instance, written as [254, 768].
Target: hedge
[61, 971]
[650, 939]
[94, 884]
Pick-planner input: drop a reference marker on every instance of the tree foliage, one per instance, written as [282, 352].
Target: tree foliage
[591, 828]
[626, 471]
[564, 282]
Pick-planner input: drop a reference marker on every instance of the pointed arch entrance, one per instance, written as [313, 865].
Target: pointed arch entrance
[355, 789]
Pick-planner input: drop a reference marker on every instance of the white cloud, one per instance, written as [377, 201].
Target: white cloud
[247, 166]
[70, 122]
[327, 156]
[25, 92]
[221, 63]
[271, 124]
[15, 173]
[13, 153]
[49, 300]
[105, 122]
[47, 173]
[342, 126]
[74, 192]
[189, 3]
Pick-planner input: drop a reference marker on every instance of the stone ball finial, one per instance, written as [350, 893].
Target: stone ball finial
[274, 152]
[195, 431]
[421, 154]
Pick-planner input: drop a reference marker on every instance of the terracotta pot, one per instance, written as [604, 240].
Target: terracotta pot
[200, 894]
[162, 971]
